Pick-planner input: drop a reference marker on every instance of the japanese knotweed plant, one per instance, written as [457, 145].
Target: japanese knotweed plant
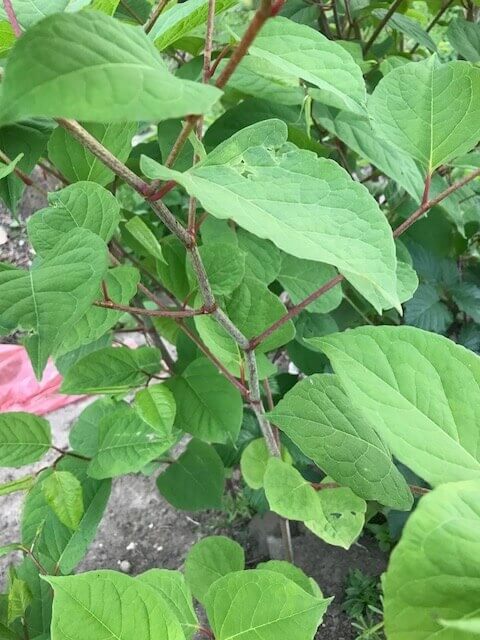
[230, 183]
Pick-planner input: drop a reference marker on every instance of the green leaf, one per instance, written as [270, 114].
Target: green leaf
[195, 480]
[59, 547]
[82, 205]
[359, 136]
[63, 493]
[341, 517]
[263, 260]
[224, 264]
[271, 606]
[426, 310]
[121, 284]
[208, 406]
[409, 27]
[301, 51]
[467, 298]
[320, 419]
[288, 493]
[211, 559]
[398, 378]
[464, 36]
[430, 591]
[19, 598]
[24, 438]
[29, 12]
[10, 548]
[300, 278]
[106, 604]
[156, 406]
[7, 169]
[172, 587]
[29, 138]
[145, 236]
[308, 206]
[173, 274]
[125, 444]
[111, 370]
[7, 36]
[253, 462]
[83, 435]
[22, 484]
[182, 18]
[412, 108]
[54, 294]
[125, 83]
[77, 163]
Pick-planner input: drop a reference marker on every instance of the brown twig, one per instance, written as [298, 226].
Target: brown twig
[381, 25]
[23, 176]
[153, 313]
[154, 14]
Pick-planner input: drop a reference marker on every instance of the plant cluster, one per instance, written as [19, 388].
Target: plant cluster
[283, 200]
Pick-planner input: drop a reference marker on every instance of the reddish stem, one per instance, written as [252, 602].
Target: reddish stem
[154, 313]
[12, 18]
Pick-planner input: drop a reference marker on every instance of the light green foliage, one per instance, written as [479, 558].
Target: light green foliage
[300, 51]
[271, 605]
[293, 573]
[82, 205]
[409, 27]
[112, 370]
[145, 236]
[22, 484]
[321, 420]
[76, 163]
[24, 438]
[224, 264]
[7, 169]
[7, 36]
[19, 598]
[253, 463]
[126, 444]
[64, 495]
[432, 584]
[209, 560]
[236, 181]
[195, 480]
[288, 493]
[172, 587]
[429, 110]
[156, 406]
[126, 82]
[208, 406]
[464, 36]
[397, 375]
[83, 435]
[105, 602]
[55, 292]
[181, 18]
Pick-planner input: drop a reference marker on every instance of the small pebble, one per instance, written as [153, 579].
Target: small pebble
[124, 566]
[131, 546]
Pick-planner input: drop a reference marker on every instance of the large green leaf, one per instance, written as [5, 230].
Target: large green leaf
[253, 462]
[83, 435]
[208, 406]
[288, 493]
[63, 493]
[432, 586]
[55, 293]
[412, 107]
[24, 438]
[301, 51]
[262, 605]
[320, 419]
[358, 134]
[29, 12]
[195, 480]
[308, 206]
[209, 560]
[58, 546]
[428, 413]
[181, 18]
[172, 587]
[224, 264]
[121, 284]
[82, 205]
[106, 604]
[77, 163]
[464, 36]
[126, 82]
[111, 370]
[409, 27]
[125, 444]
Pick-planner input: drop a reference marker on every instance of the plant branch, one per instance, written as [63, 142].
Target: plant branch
[154, 14]
[406, 224]
[153, 313]
[434, 21]
[12, 18]
[381, 25]
[321, 486]
[23, 176]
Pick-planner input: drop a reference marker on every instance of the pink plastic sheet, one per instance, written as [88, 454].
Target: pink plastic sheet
[21, 391]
